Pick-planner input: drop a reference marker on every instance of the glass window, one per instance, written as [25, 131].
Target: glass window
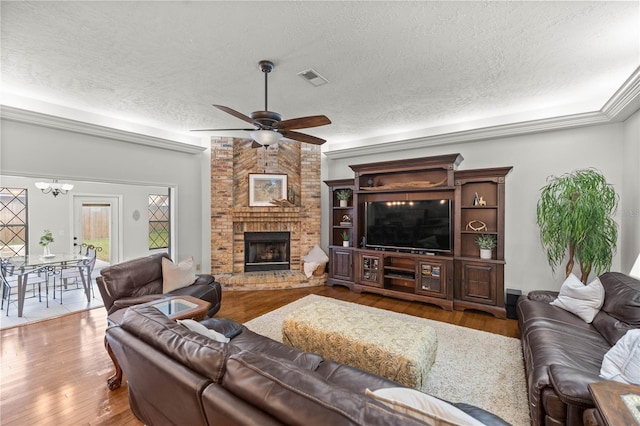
[158, 221]
[13, 222]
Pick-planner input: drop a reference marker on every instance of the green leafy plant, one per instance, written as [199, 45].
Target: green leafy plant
[345, 236]
[574, 214]
[486, 241]
[46, 238]
[343, 194]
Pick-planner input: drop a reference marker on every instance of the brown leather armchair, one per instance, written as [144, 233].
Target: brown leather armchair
[140, 280]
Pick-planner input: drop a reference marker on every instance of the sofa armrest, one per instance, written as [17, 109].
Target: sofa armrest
[204, 279]
[127, 302]
[542, 295]
[572, 385]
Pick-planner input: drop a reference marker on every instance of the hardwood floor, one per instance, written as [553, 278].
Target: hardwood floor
[55, 371]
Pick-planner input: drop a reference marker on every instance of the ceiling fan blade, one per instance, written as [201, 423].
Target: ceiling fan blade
[301, 137]
[303, 122]
[220, 130]
[236, 114]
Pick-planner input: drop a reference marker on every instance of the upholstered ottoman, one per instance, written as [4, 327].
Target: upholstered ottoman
[390, 347]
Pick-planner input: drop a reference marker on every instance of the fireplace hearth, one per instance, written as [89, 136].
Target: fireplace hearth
[266, 251]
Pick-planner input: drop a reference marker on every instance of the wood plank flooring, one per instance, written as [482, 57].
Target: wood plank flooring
[54, 372]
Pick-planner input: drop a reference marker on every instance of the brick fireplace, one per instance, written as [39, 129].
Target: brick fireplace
[232, 160]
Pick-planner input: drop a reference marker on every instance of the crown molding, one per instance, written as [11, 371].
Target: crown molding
[626, 100]
[618, 108]
[45, 120]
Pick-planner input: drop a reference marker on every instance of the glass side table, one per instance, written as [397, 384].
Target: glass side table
[182, 307]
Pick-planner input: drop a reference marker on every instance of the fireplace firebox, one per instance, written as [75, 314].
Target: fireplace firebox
[266, 251]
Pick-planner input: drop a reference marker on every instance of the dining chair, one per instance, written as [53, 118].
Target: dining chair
[72, 273]
[10, 282]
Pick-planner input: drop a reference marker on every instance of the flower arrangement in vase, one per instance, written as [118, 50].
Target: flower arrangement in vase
[45, 240]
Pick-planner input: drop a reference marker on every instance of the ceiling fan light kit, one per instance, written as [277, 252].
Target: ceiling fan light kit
[265, 137]
[269, 125]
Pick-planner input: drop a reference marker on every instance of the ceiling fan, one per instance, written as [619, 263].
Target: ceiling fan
[269, 126]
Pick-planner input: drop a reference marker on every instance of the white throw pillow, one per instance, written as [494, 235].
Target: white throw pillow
[423, 407]
[177, 276]
[582, 300]
[622, 362]
[201, 329]
[315, 258]
[316, 255]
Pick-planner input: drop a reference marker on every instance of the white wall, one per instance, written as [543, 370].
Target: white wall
[55, 213]
[36, 151]
[630, 197]
[534, 158]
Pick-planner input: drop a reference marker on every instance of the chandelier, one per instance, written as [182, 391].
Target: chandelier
[54, 187]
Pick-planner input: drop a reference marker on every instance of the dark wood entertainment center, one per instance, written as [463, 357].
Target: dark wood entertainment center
[454, 278]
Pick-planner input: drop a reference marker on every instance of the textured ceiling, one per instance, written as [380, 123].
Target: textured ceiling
[393, 66]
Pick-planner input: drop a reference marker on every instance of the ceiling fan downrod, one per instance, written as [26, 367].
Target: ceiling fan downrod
[266, 67]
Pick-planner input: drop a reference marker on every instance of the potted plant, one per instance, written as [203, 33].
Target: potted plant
[45, 240]
[343, 196]
[575, 215]
[486, 242]
[345, 239]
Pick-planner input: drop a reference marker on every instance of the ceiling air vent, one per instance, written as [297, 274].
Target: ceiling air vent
[313, 77]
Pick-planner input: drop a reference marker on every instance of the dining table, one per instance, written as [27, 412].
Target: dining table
[34, 263]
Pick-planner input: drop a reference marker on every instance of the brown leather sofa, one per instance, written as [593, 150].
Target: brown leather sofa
[140, 281]
[563, 354]
[178, 377]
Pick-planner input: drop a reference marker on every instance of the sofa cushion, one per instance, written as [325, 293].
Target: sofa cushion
[611, 328]
[622, 362]
[297, 396]
[178, 275]
[253, 342]
[582, 300]
[200, 353]
[622, 297]
[423, 407]
[533, 315]
[351, 378]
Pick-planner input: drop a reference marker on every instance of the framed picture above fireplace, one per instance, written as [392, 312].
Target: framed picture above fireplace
[266, 188]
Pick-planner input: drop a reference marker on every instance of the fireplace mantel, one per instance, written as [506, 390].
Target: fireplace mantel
[266, 214]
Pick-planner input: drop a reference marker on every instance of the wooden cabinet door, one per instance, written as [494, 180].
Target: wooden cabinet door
[342, 264]
[370, 270]
[431, 279]
[478, 282]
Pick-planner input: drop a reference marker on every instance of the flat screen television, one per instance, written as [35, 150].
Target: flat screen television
[421, 225]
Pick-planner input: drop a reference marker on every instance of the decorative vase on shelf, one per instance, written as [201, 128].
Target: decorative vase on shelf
[485, 253]
[345, 243]
[343, 203]
[47, 251]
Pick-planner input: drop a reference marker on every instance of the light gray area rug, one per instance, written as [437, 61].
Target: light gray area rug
[476, 367]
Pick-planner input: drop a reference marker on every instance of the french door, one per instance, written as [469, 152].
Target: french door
[96, 221]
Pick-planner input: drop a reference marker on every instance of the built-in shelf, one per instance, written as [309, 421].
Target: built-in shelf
[455, 279]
